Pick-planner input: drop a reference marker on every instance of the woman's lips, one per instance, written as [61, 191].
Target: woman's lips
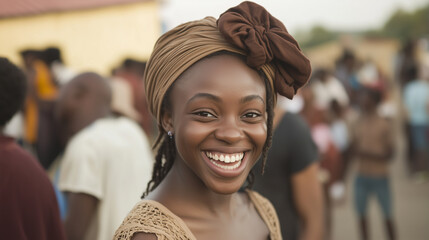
[225, 164]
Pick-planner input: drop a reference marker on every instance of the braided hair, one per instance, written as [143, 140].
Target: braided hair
[166, 152]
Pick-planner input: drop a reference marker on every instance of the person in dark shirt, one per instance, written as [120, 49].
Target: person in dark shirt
[28, 206]
[290, 180]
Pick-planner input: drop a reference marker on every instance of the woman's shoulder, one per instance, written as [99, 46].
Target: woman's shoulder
[268, 213]
[261, 203]
[151, 220]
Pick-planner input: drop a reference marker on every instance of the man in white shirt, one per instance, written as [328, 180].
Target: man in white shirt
[107, 162]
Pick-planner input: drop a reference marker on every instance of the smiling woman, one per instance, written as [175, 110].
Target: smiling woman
[211, 86]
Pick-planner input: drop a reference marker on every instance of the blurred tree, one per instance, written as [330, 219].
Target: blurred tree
[317, 35]
[402, 25]
[407, 25]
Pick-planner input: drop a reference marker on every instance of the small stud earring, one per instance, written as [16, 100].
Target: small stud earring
[170, 134]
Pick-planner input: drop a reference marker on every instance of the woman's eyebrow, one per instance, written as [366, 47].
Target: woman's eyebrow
[217, 99]
[204, 95]
[251, 98]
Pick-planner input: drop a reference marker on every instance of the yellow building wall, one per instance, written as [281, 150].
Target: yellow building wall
[96, 39]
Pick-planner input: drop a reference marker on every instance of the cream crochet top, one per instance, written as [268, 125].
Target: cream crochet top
[152, 217]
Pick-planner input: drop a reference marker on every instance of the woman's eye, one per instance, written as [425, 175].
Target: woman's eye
[252, 115]
[204, 114]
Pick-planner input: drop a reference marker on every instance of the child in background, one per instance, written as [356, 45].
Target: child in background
[372, 145]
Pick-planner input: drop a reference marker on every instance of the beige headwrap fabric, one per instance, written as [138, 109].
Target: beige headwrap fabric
[283, 64]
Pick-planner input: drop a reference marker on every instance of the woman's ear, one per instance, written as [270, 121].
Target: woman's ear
[167, 121]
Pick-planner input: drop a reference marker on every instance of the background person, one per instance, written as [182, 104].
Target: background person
[416, 101]
[372, 145]
[131, 71]
[39, 105]
[28, 206]
[290, 180]
[106, 163]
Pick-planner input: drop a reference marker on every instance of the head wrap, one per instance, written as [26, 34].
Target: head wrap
[247, 29]
[266, 40]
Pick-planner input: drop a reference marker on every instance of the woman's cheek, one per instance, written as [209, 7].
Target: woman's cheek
[259, 135]
[194, 132]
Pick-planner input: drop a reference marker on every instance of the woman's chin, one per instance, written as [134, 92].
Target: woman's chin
[226, 188]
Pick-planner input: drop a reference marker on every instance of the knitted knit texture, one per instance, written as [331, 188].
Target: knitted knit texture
[152, 217]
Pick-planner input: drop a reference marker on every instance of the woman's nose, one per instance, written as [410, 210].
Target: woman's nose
[229, 131]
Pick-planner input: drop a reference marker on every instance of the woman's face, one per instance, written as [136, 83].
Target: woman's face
[218, 116]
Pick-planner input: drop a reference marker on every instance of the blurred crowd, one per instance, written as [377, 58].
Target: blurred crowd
[351, 111]
[92, 134]
[357, 115]
[35, 125]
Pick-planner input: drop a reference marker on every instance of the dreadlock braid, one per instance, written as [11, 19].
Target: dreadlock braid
[270, 116]
[164, 160]
[165, 155]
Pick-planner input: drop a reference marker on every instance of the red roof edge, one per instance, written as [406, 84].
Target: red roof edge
[17, 8]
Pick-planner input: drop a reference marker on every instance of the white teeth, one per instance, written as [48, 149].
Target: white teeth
[227, 167]
[226, 158]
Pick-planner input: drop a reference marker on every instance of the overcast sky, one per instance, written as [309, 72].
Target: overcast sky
[297, 14]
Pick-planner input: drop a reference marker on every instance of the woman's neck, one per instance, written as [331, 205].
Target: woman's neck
[183, 193]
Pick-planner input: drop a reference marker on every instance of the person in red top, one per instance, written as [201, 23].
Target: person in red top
[28, 206]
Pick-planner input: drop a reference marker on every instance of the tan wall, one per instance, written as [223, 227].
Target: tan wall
[96, 39]
[382, 52]
[324, 56]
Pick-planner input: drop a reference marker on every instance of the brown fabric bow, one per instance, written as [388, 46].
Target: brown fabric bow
[250, 27]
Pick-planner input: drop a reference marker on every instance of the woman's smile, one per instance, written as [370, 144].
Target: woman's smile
[225, 164]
